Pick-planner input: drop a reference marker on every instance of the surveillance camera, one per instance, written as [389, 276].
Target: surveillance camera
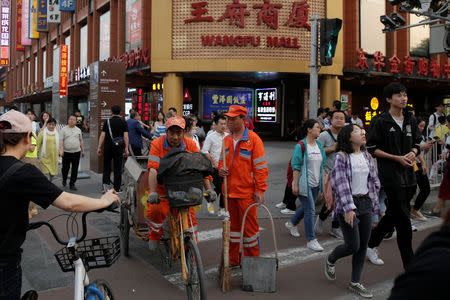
[398, 19]
[388, 23]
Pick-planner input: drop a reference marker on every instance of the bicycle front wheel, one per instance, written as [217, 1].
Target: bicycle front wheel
[103, 287]
[195, 285]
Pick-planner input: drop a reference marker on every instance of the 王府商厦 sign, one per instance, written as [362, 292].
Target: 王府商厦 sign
[253, 29]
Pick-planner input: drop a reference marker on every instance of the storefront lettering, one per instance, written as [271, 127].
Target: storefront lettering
[268, 13]
[409, 64]
[394, 63]
[133, 59]
[236, 13]
[425, 68]
[378, 60]
[299, 15]
[362, 60]
[254, 41]
[198, 11]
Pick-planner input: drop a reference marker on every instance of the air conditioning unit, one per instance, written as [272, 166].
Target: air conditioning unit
[440, 39]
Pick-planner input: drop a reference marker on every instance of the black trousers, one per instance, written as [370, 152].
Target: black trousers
[10, 281]
[116, 157]
[136, 150]
[398, 216]
[424, 189]
[218, 181]
[67, 160]
[289, 198]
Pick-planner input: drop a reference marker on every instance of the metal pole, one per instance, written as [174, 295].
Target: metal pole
[313, 76]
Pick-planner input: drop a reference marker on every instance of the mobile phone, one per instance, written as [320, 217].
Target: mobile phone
[107, 187]
[355, 221]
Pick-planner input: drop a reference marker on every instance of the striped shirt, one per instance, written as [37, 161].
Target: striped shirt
[160, 130]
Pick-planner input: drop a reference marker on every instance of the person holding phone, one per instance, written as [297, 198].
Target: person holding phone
[356, 185]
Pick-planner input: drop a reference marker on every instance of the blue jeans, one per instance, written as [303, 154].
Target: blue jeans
[307, 210]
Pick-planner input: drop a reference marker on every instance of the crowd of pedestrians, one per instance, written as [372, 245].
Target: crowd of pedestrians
[366, 181]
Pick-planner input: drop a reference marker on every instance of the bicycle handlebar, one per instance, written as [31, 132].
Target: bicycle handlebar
[36, 225]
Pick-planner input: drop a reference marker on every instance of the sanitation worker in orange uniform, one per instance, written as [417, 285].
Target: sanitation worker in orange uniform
[244, 154]
[158, 209]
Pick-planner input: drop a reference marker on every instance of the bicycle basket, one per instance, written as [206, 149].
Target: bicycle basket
[95, 253]
[184, 192]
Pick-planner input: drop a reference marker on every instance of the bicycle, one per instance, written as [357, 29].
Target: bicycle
[81, 255]
[177, 243]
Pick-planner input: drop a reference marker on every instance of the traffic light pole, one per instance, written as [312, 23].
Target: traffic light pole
[314, 67]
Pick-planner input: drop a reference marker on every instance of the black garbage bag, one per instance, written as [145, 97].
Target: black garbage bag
[182, 174]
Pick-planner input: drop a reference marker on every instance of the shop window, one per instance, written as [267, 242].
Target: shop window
[372, 38]
[104, 49]
[83, 46]
[133, 27]
[29, 72]
[67, 42]
[44, 65]
[419, 37]
[35, 70]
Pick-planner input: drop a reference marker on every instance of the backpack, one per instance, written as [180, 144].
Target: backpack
[290, 172]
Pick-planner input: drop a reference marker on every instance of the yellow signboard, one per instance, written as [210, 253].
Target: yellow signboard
[34, 34]
[374, 103]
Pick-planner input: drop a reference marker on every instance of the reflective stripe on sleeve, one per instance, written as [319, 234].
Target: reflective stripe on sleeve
[259, 160]
[154, 158]
[261, 167]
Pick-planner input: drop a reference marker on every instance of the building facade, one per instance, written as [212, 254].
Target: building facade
[201, 56]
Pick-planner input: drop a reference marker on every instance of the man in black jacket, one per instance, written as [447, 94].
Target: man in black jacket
[426, 277]
[394, 140]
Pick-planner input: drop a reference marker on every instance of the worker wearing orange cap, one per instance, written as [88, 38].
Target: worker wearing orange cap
[244, 154]
[158, 209]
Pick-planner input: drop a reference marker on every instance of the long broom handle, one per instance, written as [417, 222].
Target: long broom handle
[225, 181]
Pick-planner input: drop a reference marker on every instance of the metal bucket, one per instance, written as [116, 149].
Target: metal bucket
[259, 273]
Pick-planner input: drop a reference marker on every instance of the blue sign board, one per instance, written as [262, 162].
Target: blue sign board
[220, 99]
[42, 16]
[67, 5]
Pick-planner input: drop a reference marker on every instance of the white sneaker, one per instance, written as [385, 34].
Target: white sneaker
[314, 245]
[337, 233]
[287, 211]
[318, 226]
[210, 208]
[292, 229]
[221, 212]
[372, 256]
[280, 205]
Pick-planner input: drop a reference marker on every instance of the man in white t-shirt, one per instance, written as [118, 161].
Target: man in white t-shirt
[212, 147]
[433, 122]
[356, 120]
[71, 147]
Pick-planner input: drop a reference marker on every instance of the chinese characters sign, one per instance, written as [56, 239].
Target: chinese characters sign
[266, 105]
[42, 16]
[4, 37]
[67, 5]
[221, 99]
[421, 67]
[53, 13]
[25, 39]
[134, 15]
[63, 70]
[253, 29]
[32, 20]
[19, 46]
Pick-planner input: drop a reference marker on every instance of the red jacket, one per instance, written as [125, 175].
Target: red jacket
[247, 165]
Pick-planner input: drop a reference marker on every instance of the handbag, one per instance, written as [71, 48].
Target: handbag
[117, 142]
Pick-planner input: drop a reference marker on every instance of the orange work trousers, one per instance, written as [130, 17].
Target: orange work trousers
[237, 208]
[157, 214]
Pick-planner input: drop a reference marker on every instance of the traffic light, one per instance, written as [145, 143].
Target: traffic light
[329, 32]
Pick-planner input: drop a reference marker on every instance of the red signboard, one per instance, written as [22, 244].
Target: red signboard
[63, 70]
[135, 20]
[5, 20]
[19, 46]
